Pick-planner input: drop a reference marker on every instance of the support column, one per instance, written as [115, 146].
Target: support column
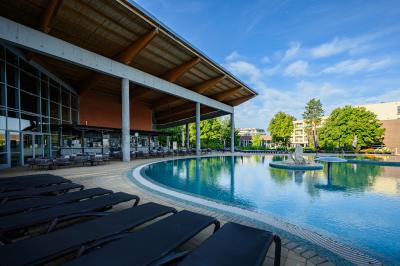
[198, 147]
[232, 132]
[187, 136]
[126, 147]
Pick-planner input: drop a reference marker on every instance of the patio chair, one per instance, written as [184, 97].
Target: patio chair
[53, 216]
[235, 244]
[96, 159]
[62, 162]
[31, 181]
[160, 153]
[31, 163]
[153, 154]
[76, 160]
[38, 192]
[151, 243]
[46, 202]
[44, 163]
[44, 248]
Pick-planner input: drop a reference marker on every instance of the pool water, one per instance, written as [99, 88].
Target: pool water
[359, 205]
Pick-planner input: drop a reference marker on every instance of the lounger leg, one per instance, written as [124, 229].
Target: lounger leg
[217, 226]
[278, 244]
[137, 199]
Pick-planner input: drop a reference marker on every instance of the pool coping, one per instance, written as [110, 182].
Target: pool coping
[373, 162]
[335, 250]
[296, 167]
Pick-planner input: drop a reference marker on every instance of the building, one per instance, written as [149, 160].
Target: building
[388, 113]
[299, 135]
[246, 135]
[384, 111]
[95, 76]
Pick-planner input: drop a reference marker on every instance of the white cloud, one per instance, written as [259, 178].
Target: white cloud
[247, 70]
[233, 56]
[265, 60]
[292, 51]
[341, 45]
[292, 99]
[297, 69]
[352, 66]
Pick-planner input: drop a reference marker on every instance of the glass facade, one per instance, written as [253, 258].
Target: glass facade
[33, 106]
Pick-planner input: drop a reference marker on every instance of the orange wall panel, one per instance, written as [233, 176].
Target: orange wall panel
[102, 110]
[392, 133]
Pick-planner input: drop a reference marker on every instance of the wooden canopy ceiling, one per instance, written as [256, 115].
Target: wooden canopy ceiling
[121, 31]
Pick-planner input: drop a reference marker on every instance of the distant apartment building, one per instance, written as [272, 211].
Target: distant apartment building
[299, 135]
[246, 135]
[388, 113]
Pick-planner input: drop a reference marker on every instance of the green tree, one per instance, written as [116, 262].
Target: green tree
[214, 133]
[281, 127]
[312, 117]
[256, 140]
[175, 134]
[346, 123]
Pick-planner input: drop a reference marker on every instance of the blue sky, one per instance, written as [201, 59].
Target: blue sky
[342, 51]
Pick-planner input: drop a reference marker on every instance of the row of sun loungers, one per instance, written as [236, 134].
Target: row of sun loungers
[76, 160]
[160, 153]
[265, 151]
[43, 223]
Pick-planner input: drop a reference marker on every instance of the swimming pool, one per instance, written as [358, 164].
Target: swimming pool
[359, 205]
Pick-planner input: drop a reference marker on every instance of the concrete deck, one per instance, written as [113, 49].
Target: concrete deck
[113, 176]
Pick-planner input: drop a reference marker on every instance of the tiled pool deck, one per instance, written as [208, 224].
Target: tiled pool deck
[115, 176]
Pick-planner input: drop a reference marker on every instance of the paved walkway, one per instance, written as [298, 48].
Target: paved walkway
[114, 176]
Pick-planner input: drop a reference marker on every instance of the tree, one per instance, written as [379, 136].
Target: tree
[281, 127]
[347, 123]
[214, 133]
[312, 117]
[175, 134]
[256, 140]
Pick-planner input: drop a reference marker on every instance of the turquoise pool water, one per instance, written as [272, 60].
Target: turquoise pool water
[359, 205]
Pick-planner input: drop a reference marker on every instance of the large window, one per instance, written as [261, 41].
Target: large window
[31, 101]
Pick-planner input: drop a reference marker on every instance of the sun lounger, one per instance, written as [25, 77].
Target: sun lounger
[46, 202]
[37, 192]
[23, 178]
[235, 245]
[151, 243]
[43, 248]
[63, 212]
[30, 181]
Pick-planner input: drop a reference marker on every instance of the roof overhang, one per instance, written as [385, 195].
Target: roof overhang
[99, 42]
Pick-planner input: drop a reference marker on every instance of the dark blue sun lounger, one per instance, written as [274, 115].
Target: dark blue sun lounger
[30, 181]
[44, 248]
[151, 243]
[234, 245]
[63, 212]
[37, 192]
[47, 202]
[29, 178]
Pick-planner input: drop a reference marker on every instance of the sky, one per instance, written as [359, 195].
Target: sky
[289, 51]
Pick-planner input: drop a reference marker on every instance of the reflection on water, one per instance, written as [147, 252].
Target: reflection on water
[359, 204]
